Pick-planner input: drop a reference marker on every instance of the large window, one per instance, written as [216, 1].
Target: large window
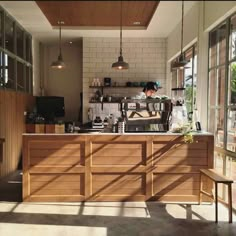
[184, 80]
[15, 55]
[222, 98]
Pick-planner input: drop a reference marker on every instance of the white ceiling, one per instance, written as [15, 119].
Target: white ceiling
[29, 15]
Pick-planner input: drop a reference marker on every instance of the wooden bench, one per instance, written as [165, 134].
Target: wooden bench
[217, 178]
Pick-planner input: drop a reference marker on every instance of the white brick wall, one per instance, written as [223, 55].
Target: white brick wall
[146, 58]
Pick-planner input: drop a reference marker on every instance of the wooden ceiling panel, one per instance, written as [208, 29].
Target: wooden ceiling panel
[98, 13]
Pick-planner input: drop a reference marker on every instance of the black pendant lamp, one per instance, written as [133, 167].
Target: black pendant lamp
[120, 64]
[59, 64]
[181, 62]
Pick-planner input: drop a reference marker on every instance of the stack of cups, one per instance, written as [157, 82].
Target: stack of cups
[121, 127]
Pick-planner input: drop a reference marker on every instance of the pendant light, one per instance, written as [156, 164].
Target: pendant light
[59, 64]
[120, 64]
[181, 62]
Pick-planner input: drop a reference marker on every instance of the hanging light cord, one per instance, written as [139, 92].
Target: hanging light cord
[182, 26]
[120, 28]
[59, 22]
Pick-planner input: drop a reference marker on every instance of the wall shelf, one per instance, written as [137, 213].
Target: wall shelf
[177, 89]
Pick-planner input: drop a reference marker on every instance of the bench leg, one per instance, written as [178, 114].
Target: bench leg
[200, 189]
[230, 202]
[216, 202]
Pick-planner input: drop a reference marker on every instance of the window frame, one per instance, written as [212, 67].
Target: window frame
[26, 61]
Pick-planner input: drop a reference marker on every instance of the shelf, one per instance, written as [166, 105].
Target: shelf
[118, 87]
[105, 102]
[177, 89]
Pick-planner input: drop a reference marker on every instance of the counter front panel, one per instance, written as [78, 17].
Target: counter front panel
[114, 167]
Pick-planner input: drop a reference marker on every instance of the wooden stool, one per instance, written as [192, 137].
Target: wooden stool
[217, 178]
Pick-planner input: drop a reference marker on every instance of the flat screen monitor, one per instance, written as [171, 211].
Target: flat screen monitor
[50, 107]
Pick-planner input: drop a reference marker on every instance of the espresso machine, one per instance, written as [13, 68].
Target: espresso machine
[146, 115]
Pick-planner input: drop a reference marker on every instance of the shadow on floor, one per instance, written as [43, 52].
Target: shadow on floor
[157, 220]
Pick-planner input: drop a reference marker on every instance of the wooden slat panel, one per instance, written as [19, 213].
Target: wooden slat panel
[171, 160]
[98, 13]
[175, 177]
[40, 161]
[124, 152]
[117, 160]
[57, 169]
[98, 146]
[115, 184]
[57, 185]
[181, 153]
[58, 192]
[177, 169]
[182, 146]
[12, 125]
[56, 152]
[177, 192]
[54, 145]
[54, 178]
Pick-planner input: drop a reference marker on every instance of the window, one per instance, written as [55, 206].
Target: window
[15, 55]
[186, 79]
[19, 42]
[9, 34]
[222, 98]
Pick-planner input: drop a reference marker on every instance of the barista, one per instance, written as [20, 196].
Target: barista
[150, 89]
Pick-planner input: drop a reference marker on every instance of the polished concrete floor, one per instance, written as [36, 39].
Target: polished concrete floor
[107, 218]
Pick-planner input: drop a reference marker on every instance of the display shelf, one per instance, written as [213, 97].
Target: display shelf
[177, 89]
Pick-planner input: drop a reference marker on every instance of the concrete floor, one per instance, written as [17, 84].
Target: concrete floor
[107, 218]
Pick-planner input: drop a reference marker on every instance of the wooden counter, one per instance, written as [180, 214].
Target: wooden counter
[114, 167]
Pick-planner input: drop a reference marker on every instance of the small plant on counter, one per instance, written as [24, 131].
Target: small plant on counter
[188, 137]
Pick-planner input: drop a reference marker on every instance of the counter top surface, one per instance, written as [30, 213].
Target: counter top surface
[138, 134]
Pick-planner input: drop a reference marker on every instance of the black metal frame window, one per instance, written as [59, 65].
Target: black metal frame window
[15, 55]
[222, 98]
[184, 81]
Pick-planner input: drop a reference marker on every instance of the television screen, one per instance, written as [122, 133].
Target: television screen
[50, 107]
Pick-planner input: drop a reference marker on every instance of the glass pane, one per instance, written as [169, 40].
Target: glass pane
[231, 172]
[2, 81]
[232, 39]
[188, 80]
[9, 34]
[212, 87]
[222, 44]
[221, 86]
[31, 81]
[28, 45]
[9, 72]
[213, 49]
[219, 138]
[20, 76]
[174, 79]
[231, 129]
[1, 29]
[211, 121]
[28, 80]
[19, 42]
[232, 84]
[180, 78]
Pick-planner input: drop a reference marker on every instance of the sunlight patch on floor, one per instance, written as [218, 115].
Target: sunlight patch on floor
[121, 209]
[8, 229]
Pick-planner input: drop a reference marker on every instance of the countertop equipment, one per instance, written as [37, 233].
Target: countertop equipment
[146, 115]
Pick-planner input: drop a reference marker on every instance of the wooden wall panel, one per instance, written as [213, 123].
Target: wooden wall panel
[104, 153]
[118, 184]
[12, 125]
[56, 184]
